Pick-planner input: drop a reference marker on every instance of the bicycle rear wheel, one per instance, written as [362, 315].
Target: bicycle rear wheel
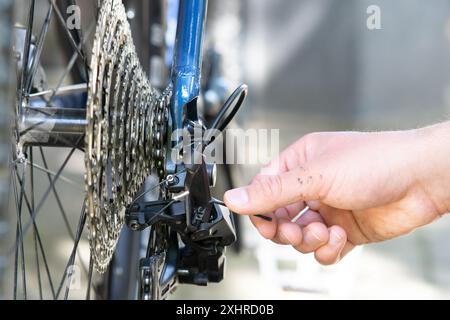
[48, 257]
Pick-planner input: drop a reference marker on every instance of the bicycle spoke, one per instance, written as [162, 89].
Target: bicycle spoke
[71, 88]
[70, 65]
[19, 251]
[24, 66]
[80, 228]
[71, 39]
[56, 195]
[71, 261]
[91, 270]
[52, 173]
[61, 208]
[47, 192]
[38, 268]
[26, 50]
[16, 251]
[49, 189]
[44, 256]
[24, 278]
[82, 41]
[37, 55]
[68, 68]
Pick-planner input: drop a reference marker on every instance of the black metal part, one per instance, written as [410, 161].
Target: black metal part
[202, 259]
[121, 278]
[218, 231]
[146, 214]
[158, 271]
[230, 108]
[204, 226]
[201, 267]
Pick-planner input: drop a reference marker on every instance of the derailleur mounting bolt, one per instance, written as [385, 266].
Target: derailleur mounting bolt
[172, 180]
[134, 226]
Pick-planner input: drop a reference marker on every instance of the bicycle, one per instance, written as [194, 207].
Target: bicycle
[127, 130]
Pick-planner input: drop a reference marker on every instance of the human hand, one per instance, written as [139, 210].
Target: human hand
[360, 188]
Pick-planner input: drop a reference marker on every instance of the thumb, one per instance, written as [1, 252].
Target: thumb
[269, 193]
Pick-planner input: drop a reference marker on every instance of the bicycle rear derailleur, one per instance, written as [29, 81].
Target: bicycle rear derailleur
[203, 225]
[197, 227]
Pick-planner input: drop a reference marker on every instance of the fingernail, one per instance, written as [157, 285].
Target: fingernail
[237, 197]
[311, 237]
[335, 238]
[284, 238]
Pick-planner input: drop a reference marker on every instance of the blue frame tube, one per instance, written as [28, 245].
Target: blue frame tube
[186, 69]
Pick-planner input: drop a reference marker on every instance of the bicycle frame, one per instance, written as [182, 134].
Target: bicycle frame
[186, 69]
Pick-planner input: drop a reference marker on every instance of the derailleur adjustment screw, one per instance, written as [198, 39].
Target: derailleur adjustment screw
[134, 226]
[172, 180]
[201, 212]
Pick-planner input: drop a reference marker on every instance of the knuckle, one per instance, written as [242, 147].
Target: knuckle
[271, 187]
[310, 142]
[257, 179]
[310, 137]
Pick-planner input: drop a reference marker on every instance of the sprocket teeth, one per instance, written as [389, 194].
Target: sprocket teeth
[118, 149]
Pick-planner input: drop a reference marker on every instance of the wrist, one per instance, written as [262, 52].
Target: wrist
[432, 145]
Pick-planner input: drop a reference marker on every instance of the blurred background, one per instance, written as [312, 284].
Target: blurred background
[313, 65]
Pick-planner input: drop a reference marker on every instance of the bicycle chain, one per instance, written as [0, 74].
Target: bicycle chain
[122, 147]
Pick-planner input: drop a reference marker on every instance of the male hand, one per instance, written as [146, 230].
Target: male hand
[360, 188]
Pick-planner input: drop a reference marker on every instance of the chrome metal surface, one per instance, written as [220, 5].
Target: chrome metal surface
[56, 127]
